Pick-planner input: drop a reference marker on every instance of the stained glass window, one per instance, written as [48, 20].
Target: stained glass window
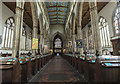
[116, 21]
[104, 32]
[8, 33]
[57, 43]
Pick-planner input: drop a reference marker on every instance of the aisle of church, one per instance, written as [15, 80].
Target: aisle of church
[58, 70]
[68, 41]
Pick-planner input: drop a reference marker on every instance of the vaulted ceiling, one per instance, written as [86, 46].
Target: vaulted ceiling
[57, 12]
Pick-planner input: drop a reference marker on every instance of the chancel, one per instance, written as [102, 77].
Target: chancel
[56, 41]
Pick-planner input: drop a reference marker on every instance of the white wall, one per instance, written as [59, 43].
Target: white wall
[0, 21]
[107, 12]
[6, 13]
[56, 28]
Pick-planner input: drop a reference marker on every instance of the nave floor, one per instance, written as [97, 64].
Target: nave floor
[58, 70]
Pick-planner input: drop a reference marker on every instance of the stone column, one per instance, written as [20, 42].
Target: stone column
[73, 33]
[70, 35]
[35, 24]
[41, 34]
[26, 40]
[18, 27]
[44, 38]
[20, 34]
[67, 39]
[87, 36]
[47, 42]
[94, 26]
[79, 28]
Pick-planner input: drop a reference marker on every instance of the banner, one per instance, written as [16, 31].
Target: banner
[79, 43]
[34, 43]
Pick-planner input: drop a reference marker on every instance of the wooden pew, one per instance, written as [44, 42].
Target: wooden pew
[41, 58]
[43, 62]
[108, 70]
[73, 60]
[38, 63]
[10, 70]
[6, 55]
[81, 64]
[34, 65]
[77, 54]
[25, 63]
[90, 68]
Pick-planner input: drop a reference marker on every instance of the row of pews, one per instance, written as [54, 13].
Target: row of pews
[22, 69]
[104, 68]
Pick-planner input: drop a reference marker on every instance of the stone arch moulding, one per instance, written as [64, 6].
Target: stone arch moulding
[57, 33]
[53, 36]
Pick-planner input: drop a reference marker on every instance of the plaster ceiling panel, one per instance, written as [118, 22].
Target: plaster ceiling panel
[50, 3]
[61, 17]
[62, 13]
[53, 19]
[62, 4]
[53, 16]
[62, 9]
[53, 13]
[52, 9]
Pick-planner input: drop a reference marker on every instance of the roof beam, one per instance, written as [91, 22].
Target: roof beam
[57, 15]
[56, 18]
[57, 24]
[57, 11]
[57, 6]
[57, 21]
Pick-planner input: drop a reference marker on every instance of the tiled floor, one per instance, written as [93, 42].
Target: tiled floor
[58, 70]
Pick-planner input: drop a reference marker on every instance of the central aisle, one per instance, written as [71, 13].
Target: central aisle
[58, 70]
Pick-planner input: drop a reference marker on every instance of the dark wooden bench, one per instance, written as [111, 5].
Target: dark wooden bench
[10, 71]
[107, 71]
[25, 63]
[34, 65]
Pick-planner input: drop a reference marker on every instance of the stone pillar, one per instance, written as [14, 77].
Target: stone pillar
[67, 39]
[70, 36]
[26, 40]
[94, 26]
[35, 24]
[18, 27]
[73, 33]
[79, 28]
[20, 34]
[47, 42]
[87, 36]
[41, 34]
[44, 38]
